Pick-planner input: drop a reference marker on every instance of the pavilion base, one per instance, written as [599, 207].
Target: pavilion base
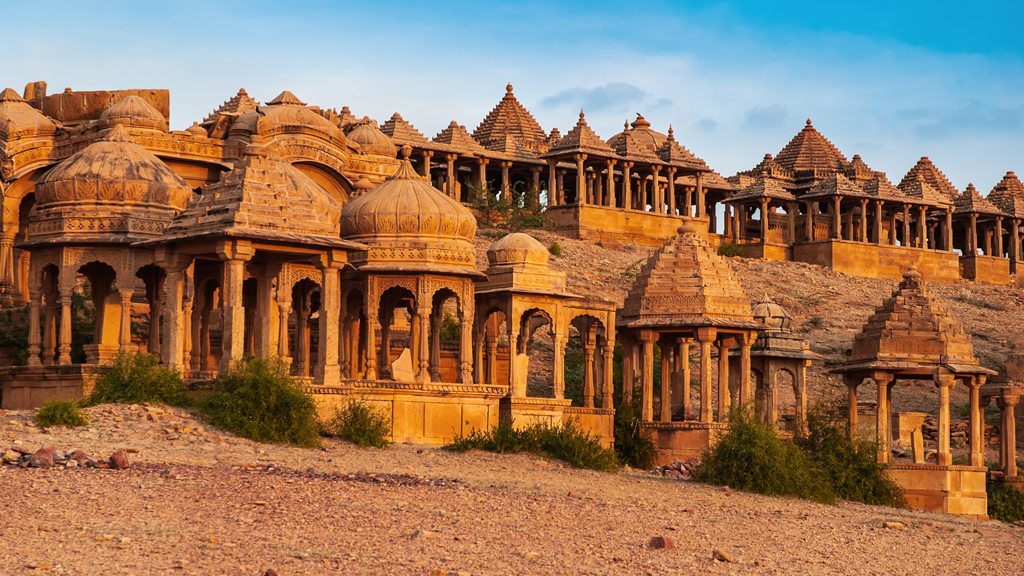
[986, 269]
[878, 261]
[599, 223]
[682, 440]
[597, 421]
[29, 387]
[769, 251]
[432, 414]
[956, 490]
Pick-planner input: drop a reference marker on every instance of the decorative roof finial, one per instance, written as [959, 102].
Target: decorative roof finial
[808, 121]
[508, 89]
[406, 151]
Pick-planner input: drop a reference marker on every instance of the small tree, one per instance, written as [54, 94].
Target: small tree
[513, 211]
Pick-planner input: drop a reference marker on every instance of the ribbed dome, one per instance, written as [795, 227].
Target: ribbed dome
[773, 316]
[641, 131]
[371, 140]
[93, 191]
[517, 249]
[19, 120]
[285, 114]
[135, 112]
[420, 227]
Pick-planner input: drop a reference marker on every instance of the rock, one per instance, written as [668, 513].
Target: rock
[12, 456]
[661, 543]
[78, 455]
[270, 572]
[531, 555]
[721, 556]
[892, 525]
[424, 535]
[119, 460]
[41, 459]
[71, 464]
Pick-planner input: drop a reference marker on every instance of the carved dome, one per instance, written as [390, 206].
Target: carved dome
[282, 115]
[517, 249]
[410, 226]
[114, 186]
[640, 129]
[371, 140]
[19, 120]
[133, 111]
[773, 316]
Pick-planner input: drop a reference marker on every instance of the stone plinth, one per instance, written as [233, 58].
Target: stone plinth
[956, 490]
[599, 422]
[682, 440]
[986, 269]
[769, 251]
[878, 261]
[599, 223]
[28, 387]
[527, 411]
[904, 424]
[432, 414]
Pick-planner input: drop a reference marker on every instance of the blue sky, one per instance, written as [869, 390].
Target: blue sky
[891, 81]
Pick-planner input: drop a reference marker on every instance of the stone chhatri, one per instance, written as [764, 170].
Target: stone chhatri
[371, 140]
[518, 262]
[580, 139]
[510, 118]
[809, 150]
[932, 175]
[133, 112]
[1008, 195]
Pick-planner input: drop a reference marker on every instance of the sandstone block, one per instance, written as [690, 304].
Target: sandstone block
[119, 460]
[661, 543]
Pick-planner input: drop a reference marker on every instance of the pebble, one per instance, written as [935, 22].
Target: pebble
[424, 534]
[661, 543]
[892, 525]
[721, 556]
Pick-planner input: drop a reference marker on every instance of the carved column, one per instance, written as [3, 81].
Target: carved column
[705, 336]
[194, 360]
[372, 324]
[977, 422]
[723, 377]
[852, 382]
[552, 183]
[683, 369]
[50, 329]
[426, 164]
[34, 302]
[947, 243]
[533, 198]
[672, 190]
[125, 337]
[812, 208]
[435, 346]
[153, 294]
[746, 341]
[1008, 428]
[173, 350]
[492, 360]
[560, 186]
[7, 268]
[452, 193]
[581, 179]
[837, 219]
[764, 220]
[666, 383]
[518, 390]
[65, 326]
[330, 264]
[609, 198]
[702, 207]
[506, 185]
[234, 255]
[284, 309]
[883, 415]
[999, 236]
[657, 196]
[628, 367]
[647, 337]
[627, 186]
[558, 370]
[607, 356]
[876, 237]
[466, 342]
[791, 210]
[863, 229]
[944, 381]
[922, 228]
[422, 318]
[588, 375]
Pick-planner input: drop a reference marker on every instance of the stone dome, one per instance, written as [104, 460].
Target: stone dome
[517, 249]
[133, 111]
[282, 115]
[640, 129]
[112, 186]
[371, 140]
[773, 316]
[418, 226]
[19, 120]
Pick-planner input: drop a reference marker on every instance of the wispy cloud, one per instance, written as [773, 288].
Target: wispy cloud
[765, 117]
[613, 96]
[706, 125]
[971, 115]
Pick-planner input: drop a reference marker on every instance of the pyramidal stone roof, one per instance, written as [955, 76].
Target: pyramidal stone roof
[580, 139]
[911, 329]
[457, 137]
[880, 187]
[510, 146]
[858, 170]
[809, 150]
[1008, 195]
[676, 154]
[764, 187]
[687, 284]
[402, 132]
[932, 175]
[509, 118]
[971, 202]
[772, 167]
[836, 184]
[918, 188]
[630, 147]
[286, 97]
[236, 106]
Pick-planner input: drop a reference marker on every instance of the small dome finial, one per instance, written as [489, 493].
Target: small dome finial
[808, 121]
[508, 89]
[581, 113]
[406, 151]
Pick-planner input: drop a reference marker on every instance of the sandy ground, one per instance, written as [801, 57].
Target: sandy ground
[203, 502]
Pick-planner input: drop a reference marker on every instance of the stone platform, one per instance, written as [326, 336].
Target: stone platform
[600, 223]
[29, 387]
[956, 490]
[879, 261]
[682, 440]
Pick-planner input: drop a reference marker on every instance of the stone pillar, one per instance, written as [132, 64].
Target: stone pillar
[883, 415]
[435, 345]
[451, 175]
[764, 220]
[124, 340]
[746, 341]
[558, 369]
[647, 337]
[801, 393]
[876, 236]
[683, 361]
[422, 343]
[153, 293]
[999, 237]
[65, 327]
[372, 324]
[922, 228]
[234, 255]
[863, 229]
[552, 183]
[465, 344]
[837, 222]
[196, 326]
[481, 178]
[705, 336]
[609, 197]
[284, 308]
[702, 207]
[666, 383]
[173, 349]
[947, 243]
[581, 179]
[627, 186]
[607, 356]
[1008, 442]
[425, 172]
[944, 381]
[906, 226]
[492, 360]
[517, 391]
[791, 210]
[330, 264]
[724, 401]
[34, 303]
[560, 186]
[588, 375]
[658, 194]
[50, 329]
[7, 267]
[852, 382]
[672, 190]
[506, 185]
[977, 422]
[532, 198]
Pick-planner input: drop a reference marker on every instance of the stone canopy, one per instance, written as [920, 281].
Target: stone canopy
[686, 283]
[519, 263]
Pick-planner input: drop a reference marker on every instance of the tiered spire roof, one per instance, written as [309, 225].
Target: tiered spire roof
[286, 97]
[971, 202]
[510, 146]
[764, 187]
[402, 132]
[919, 188]
[676, 154]
[880, 187]
[772, 167]
[687, 284]
[580, 139]
[235, 106]
[510, 118]
[858, 170]
[457, 137]
[1008, 195]
[932, 175]
[809, 150]
[836, 185]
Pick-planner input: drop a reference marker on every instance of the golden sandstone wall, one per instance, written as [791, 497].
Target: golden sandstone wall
[874, 261]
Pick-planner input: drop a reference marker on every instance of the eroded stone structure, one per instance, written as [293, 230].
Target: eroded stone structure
[911, 337]
[1007, 392]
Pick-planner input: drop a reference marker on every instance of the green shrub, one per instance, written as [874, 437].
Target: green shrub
[750, 456]
[850, 467]
[60, 413]
[566, 441]
[360, 423]
[259, 400]
[730, 250]
[451, 330]
[137, 378]
[633, 444]
[1005, 502]
[555, 249]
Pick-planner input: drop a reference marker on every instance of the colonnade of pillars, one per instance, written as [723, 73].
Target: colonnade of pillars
[638, 364]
